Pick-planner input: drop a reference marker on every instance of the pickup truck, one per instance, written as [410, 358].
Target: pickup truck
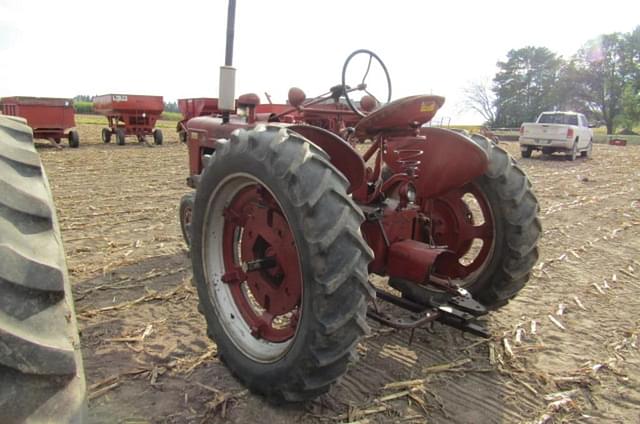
[567, 132]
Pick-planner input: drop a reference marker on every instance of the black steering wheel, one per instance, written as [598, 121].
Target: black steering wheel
[362, 85]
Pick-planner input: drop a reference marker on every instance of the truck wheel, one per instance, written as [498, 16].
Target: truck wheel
[492, 229]
[279, 263]
[182, 135]
[573, 154]
[186, 214]
[587, 153]
[74, 139]
[526, 153]
[106, 135]
[157, 136]
[120, 134]
[40, 360]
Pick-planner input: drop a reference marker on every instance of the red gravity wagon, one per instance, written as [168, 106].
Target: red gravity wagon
[50, 118]
[130, 115]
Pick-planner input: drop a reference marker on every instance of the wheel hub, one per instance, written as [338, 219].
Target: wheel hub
[261, 262]
[456, 225]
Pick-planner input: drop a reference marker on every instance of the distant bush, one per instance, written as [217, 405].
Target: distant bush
[171, 116]
[83, 106]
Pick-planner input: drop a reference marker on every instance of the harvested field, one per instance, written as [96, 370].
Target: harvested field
[565, 350]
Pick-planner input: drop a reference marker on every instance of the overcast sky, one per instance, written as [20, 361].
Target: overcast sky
[66, 47]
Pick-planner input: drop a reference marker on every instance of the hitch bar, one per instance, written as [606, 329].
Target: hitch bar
[460, 312]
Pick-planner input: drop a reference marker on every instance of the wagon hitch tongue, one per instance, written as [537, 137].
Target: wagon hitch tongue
[458, 310]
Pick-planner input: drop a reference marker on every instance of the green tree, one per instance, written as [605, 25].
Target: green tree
[630, 115]
[524, 85]
[601, 71]
[171, 107]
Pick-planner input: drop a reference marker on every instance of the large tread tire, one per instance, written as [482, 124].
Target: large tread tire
[517, 230]
[333, 259]
[41, 373]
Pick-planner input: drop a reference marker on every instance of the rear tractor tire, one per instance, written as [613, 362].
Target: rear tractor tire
[74, 139]
[41, 373]
[157, 136]
[507, 225]
[279, 263]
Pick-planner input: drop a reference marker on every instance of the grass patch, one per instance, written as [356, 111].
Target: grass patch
[171, 116]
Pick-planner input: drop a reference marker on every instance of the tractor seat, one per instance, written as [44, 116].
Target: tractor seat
[403, 114]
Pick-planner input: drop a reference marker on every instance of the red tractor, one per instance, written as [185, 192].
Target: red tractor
[288, 221]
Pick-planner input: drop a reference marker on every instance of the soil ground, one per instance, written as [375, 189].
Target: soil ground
[148, 358]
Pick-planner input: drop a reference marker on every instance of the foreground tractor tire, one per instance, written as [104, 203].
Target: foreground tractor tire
[279, 263]
[41, 374]
[509, 233]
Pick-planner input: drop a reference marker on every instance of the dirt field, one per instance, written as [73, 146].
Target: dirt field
[573, 329]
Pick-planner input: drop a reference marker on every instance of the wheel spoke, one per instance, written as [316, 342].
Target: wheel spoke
[482, 232]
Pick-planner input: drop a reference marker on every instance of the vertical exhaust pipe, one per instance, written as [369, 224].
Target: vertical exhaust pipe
[226, 94]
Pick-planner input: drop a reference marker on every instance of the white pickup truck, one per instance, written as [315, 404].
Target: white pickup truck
[567, 132]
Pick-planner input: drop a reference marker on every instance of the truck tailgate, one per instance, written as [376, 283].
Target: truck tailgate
[545, 131]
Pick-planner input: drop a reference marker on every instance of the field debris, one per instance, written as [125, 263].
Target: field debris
[557, 323]
[579, 303]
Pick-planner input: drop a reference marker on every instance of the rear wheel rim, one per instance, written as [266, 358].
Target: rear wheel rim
[456, 225]
[252, 268]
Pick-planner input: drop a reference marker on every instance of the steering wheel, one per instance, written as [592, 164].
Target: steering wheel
[363, 86]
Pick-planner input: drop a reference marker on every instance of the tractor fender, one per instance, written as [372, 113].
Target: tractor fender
[445, 159]
[341, 154]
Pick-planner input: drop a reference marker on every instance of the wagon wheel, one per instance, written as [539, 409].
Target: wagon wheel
[157, 136]
[491, 229]
[263, 232]
[74, 139]
[363, 85]
[120, 135]
[106, 135]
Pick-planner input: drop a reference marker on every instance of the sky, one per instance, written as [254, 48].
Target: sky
[63, 48]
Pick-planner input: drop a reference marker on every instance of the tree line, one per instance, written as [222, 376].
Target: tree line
[601, 80]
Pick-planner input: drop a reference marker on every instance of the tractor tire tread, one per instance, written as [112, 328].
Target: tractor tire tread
[522, 229]
[40, 361]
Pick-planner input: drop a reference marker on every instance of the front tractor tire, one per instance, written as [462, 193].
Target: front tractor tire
[279, 263]
[41, 373]
[499, 210]
[186, 214]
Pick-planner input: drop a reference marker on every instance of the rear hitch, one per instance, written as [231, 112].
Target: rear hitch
[460, 311]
